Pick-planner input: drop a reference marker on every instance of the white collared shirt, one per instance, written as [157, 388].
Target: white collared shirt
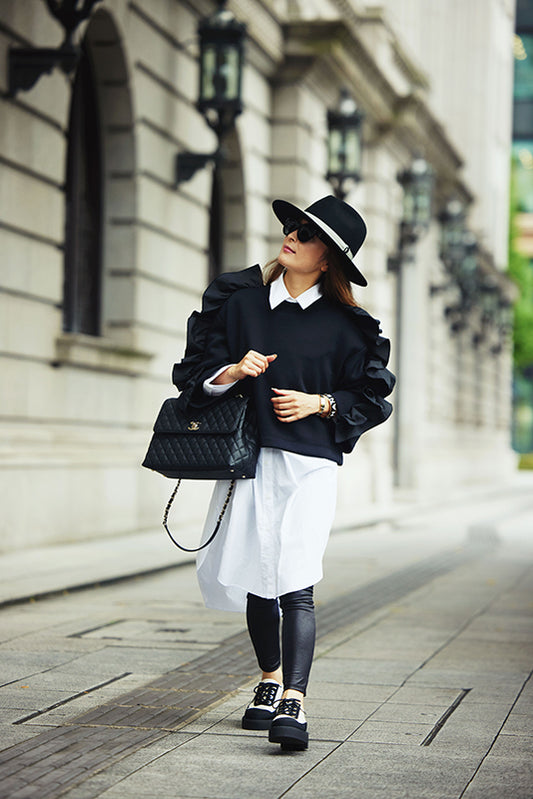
[274, 533]
[279, 294]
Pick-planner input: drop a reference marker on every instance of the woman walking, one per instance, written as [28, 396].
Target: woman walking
[315, 365]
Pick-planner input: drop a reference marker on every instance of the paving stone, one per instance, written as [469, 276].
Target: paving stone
[514, 746]
[358, 692]
[70, 710]
[505, 628]
[395, 711]
[8, 716]
[72, 758]
[393, 641]
[176, 698]
[391, 732]
[345, 670]
[473, 735]
[79, 680]
[524, 704]
[14, 667]
[488, 656]
[110, 661]
[519, 724]
[423, 695]
[372, 771]
[340, 708]
[493, 713]
[485, 685]
[96, 784]
[28, 700]
[212, 716]
[245, 766]
[502, 778]
[178, 681]
[11, 735]
[12, 784]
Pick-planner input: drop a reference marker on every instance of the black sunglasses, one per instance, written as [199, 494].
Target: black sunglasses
[304, 230]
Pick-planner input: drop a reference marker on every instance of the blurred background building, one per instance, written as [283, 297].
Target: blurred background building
[104, 255]
[521, 249]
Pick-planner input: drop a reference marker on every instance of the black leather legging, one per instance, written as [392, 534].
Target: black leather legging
[297, 634]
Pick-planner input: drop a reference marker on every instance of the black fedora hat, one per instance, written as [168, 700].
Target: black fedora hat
[341, 223]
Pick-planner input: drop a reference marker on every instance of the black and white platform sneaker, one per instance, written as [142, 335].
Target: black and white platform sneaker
[289, 727]
[260, 712]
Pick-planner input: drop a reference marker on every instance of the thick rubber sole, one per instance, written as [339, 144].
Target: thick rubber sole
[291, 738]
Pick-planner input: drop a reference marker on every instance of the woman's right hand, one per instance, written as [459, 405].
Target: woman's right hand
[252, 365]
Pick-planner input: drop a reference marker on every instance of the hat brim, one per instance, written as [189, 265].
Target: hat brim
[285, 210]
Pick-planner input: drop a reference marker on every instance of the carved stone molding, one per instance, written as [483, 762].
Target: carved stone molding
[331, 53]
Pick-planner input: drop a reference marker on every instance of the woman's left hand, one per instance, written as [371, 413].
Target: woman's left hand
[289, 406]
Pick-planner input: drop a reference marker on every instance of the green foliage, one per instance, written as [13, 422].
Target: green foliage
[526, 461]
[521, 272]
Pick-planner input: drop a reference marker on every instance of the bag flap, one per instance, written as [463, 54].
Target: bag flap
[222, 417]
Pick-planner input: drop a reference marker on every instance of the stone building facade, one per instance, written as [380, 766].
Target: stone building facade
[102, 257]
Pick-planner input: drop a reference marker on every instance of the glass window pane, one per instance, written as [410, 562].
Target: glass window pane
[208, 73]
[523, 66]
[335, 145]
[353, 155]
[229, 70]
[523, 174]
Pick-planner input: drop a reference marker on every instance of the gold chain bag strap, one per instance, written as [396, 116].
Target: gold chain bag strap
[218, 442]
[217, 526]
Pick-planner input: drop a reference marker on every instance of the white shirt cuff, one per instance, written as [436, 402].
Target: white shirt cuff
[212, 389]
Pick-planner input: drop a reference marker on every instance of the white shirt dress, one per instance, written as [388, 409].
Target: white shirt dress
[276, 527]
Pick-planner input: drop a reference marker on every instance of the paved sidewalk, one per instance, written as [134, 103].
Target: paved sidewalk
[43, 571]
[421, 686]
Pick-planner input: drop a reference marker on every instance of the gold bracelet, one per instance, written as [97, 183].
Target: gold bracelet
[323, 410]
[332, 406]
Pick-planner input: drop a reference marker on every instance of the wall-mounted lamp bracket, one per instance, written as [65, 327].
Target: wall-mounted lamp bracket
[221, 37]
[439, 289]
[394, 263]
[188, 164]
[27, 64]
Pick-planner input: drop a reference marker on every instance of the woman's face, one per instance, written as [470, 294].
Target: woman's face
[303, 258]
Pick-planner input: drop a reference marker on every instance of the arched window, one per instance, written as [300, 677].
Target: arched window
[83, 236]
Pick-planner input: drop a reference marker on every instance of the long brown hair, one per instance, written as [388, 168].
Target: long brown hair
[335, 285]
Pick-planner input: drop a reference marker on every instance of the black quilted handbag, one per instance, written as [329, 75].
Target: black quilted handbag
[218, 442]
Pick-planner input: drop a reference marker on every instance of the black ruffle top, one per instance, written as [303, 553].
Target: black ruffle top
[326, 348]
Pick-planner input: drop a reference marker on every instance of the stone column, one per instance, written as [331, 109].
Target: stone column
[411, 337]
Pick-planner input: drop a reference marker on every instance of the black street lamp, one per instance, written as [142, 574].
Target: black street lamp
[452, 242]
[466, 275]
[489, 303]
[417, 184]
[504, 323]
[344, 144]
[219, 98]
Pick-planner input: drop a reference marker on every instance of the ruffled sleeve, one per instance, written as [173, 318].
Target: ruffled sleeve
[200, 323]
[366, 381]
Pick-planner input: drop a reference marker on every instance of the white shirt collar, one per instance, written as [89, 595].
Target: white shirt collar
[279, 294]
